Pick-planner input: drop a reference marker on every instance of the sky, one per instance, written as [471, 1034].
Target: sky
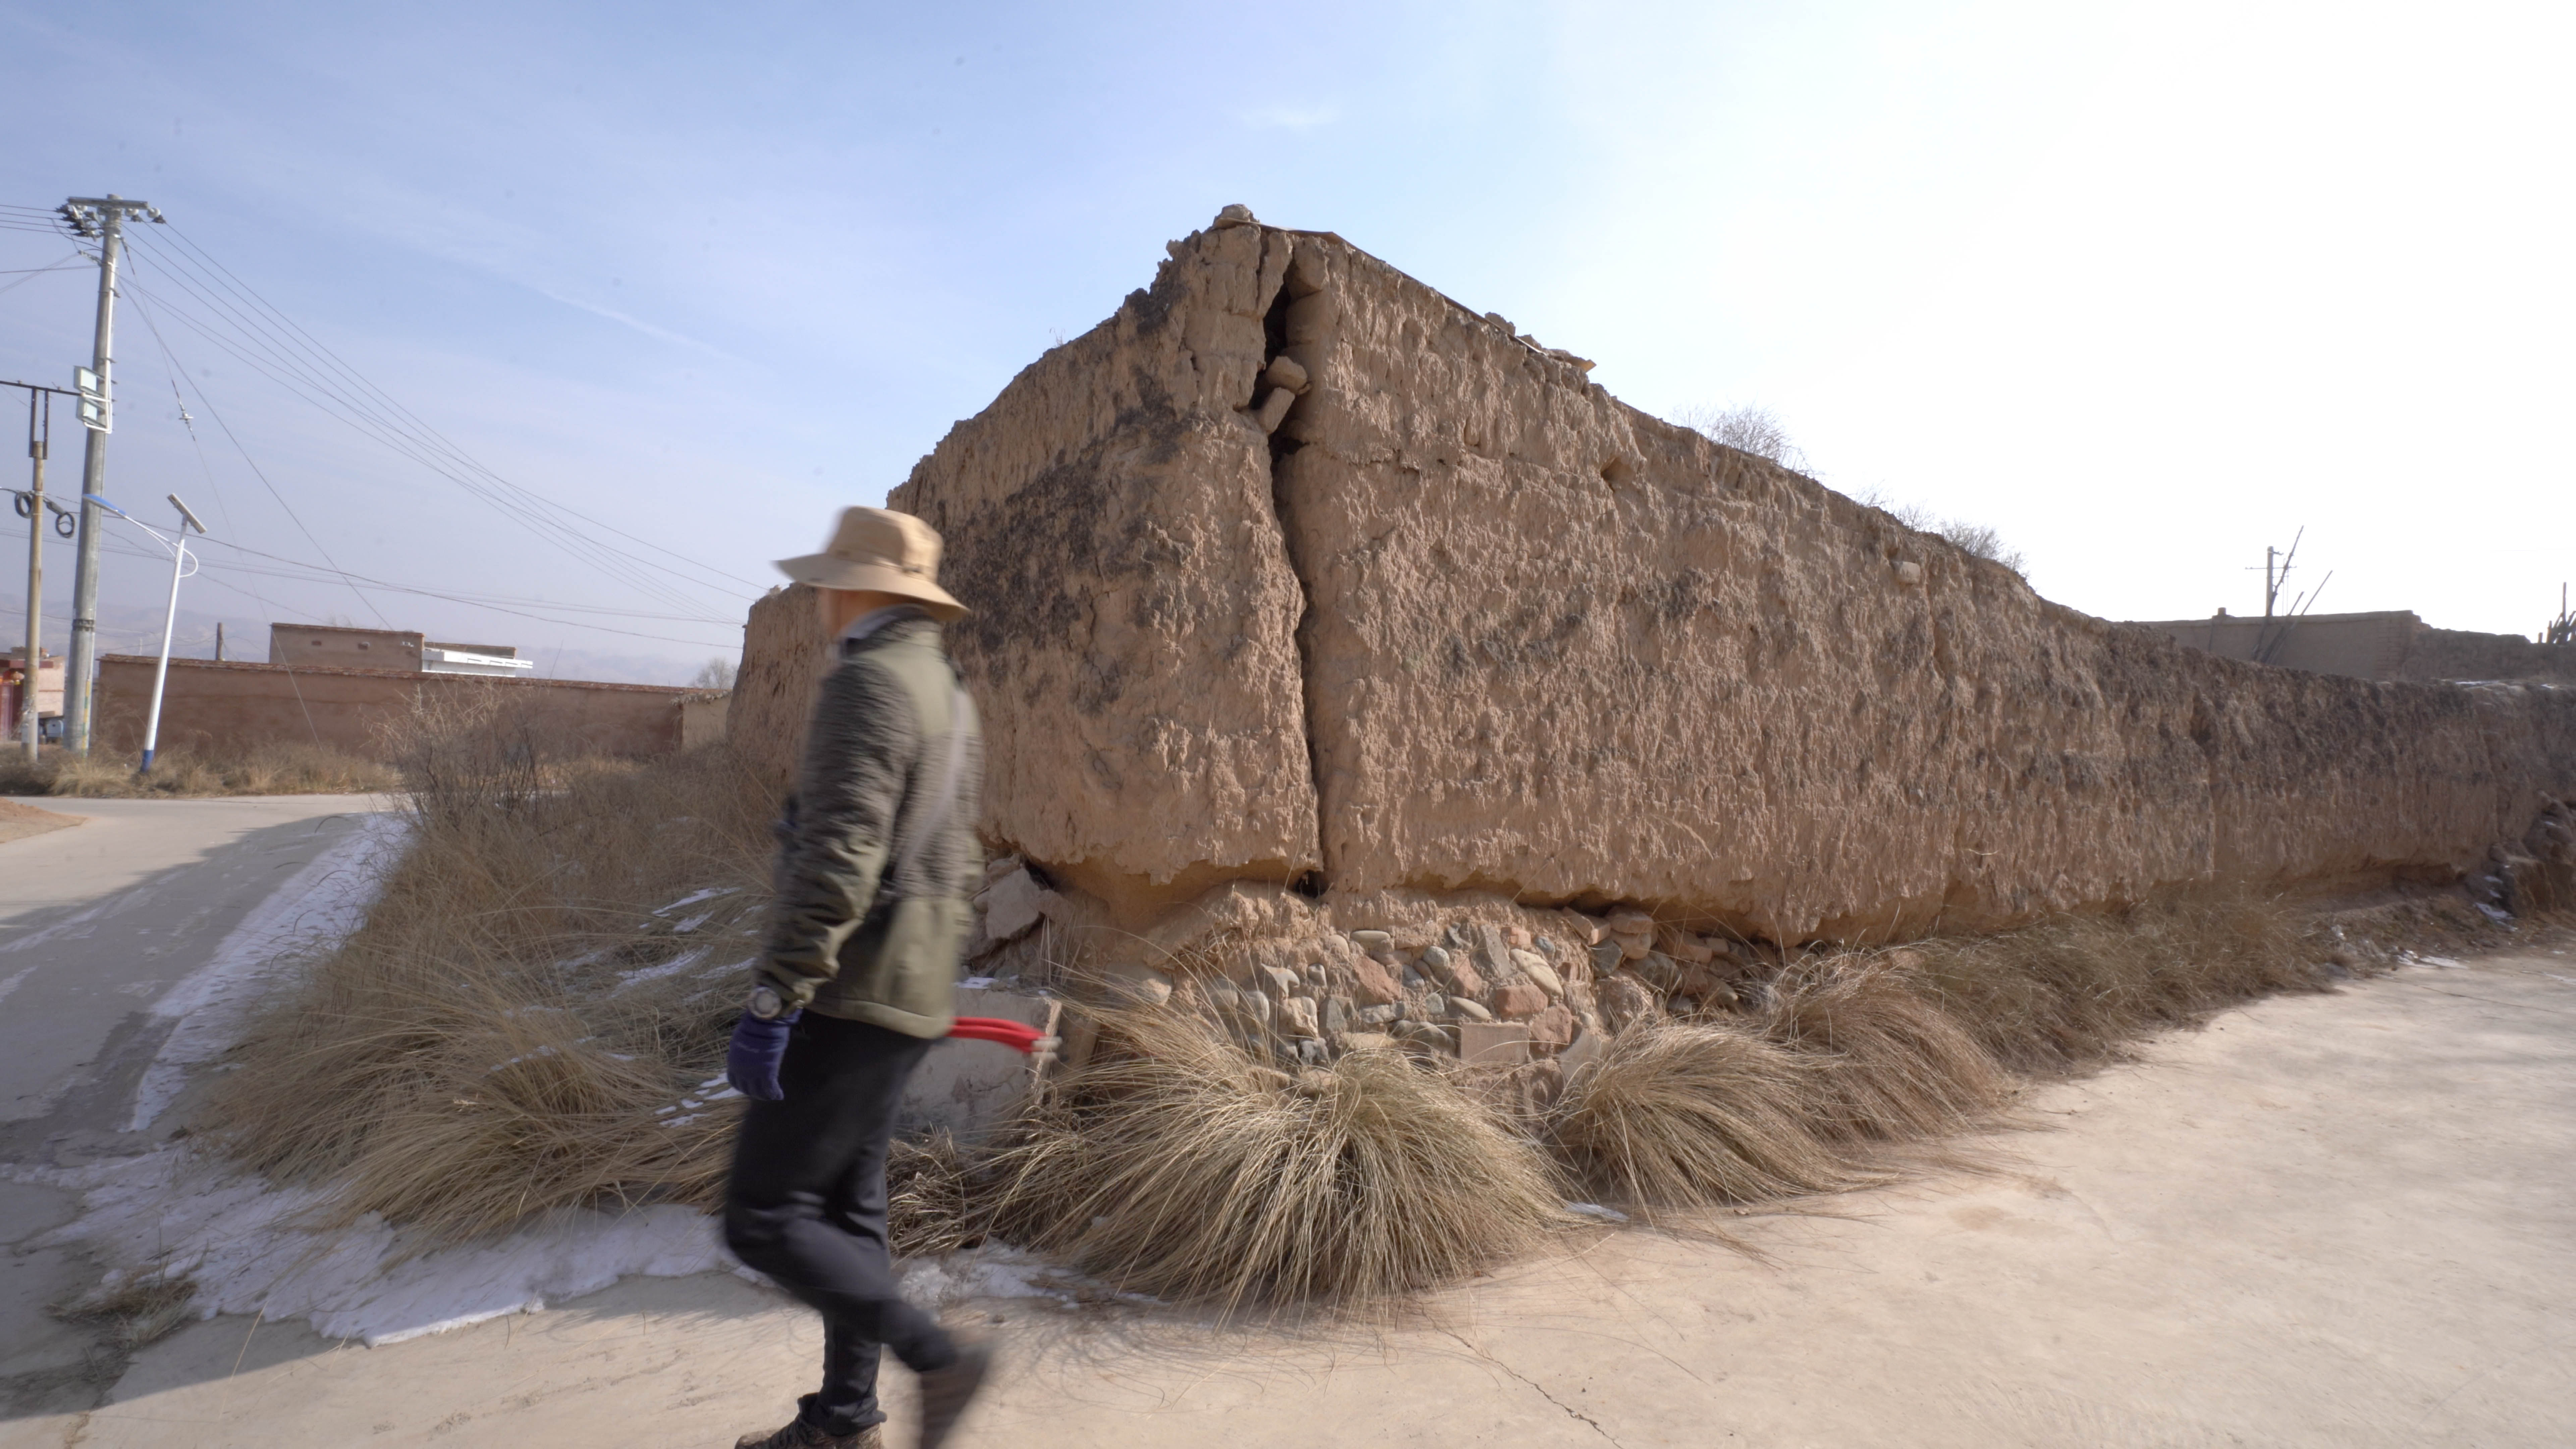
[2143, 287]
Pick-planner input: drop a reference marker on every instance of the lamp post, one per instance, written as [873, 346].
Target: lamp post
[178, 546]
[169, 623]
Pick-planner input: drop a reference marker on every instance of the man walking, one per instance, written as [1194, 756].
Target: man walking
[877, 858]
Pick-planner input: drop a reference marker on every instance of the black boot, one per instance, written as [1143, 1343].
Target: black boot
[945, 1392]
[800, 1435]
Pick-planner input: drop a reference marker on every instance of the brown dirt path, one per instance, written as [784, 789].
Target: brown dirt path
[19, 820]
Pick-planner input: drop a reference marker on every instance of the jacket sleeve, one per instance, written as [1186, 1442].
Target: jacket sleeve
[859, 754]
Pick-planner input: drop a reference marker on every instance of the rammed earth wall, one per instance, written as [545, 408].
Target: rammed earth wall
[1464, 622]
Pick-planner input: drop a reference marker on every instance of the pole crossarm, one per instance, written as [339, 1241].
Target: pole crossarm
[85, 213]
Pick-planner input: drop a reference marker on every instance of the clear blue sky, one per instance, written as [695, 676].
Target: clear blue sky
[2145, 287]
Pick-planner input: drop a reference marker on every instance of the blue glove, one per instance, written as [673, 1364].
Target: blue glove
[751, 1063]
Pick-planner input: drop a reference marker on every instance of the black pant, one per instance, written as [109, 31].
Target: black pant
[807, 1207]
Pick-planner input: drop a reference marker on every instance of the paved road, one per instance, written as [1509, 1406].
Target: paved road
[2336, 1221]
[128, 946]
[99, 921]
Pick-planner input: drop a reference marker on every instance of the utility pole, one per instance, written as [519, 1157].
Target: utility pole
[34, 674]
[101, 219]
[32, 506]
[2276, 569]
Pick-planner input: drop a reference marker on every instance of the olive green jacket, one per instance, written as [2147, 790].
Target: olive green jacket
[871, 916]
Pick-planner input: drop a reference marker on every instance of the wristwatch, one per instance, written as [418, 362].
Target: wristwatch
[766, 1004]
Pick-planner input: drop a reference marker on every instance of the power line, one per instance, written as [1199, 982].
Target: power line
[316, 344]
[480, 600]
[171, 359]
[260, 323]
[32, 273]
[330, 570]
[228, 313]
[467, 600]
[357, 416]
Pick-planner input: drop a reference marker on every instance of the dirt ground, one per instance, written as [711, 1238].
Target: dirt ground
[2342, 1220]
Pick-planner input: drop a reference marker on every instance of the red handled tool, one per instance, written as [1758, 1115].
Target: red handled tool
[1019, 1036]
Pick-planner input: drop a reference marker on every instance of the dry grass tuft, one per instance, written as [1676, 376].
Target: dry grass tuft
[2069, 993]
[285, 769]
[1696, 1116]
[1891, 1064]
[931, 1204]
[1861, 1049]
[1178, 1165]
[515, 1028]
[141, 1307]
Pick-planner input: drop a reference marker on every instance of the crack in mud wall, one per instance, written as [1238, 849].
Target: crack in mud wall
[1109, 519]
[1287, 385]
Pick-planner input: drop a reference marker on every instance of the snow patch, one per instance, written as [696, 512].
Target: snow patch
[693, 897]
[995, 1271]
[672, 967]
[64, 926]
[251, 1247]
[316, 906]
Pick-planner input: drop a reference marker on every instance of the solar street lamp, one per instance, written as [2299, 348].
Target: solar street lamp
[179, 556]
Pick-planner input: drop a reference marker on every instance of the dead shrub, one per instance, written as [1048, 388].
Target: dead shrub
[1178, 1165]
[1694, 1116]
[1891, 1064]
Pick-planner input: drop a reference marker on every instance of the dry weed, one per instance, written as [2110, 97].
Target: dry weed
[284, 769]
[2068, 993]
[518, 1026]
[1178, 1165]
[1676, 1115]
[931, 1204]
[142, 1307]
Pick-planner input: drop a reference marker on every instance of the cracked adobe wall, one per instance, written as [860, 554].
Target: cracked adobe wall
[1574, 652]
[1464, 622]
[1132, 647]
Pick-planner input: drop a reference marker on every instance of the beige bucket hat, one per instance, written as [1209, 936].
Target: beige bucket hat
[880, 549]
